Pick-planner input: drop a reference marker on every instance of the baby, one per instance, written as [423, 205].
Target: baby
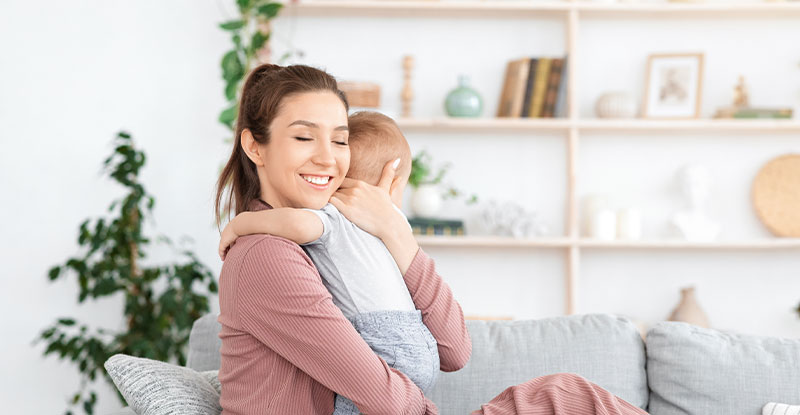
[356, 267]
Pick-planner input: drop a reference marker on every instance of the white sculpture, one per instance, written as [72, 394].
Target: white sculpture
[691, 222]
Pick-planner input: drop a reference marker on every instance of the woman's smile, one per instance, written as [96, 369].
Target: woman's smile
[317, 181]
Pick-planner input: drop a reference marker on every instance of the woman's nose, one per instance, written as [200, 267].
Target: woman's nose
[324, 154]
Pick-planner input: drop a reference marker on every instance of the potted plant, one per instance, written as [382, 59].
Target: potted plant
[161, 301]
[425, 180]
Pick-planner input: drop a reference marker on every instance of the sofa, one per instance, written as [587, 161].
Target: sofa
[679, 369]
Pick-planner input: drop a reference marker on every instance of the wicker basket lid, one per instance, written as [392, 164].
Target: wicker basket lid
[776, 195]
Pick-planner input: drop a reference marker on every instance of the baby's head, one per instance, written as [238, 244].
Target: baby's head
[375, 140]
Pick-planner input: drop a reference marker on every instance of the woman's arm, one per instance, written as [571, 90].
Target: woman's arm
[369, 207]
[283, 303]
[297, 225]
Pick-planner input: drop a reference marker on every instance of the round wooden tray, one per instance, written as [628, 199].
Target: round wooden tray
[776, 195]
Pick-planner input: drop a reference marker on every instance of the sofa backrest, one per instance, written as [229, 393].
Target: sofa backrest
[692, 370]
[606, 350]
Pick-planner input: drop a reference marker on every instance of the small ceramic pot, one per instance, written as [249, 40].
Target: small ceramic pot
[615, 105]
[426, 201]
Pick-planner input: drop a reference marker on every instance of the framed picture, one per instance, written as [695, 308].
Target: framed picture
[674, 85]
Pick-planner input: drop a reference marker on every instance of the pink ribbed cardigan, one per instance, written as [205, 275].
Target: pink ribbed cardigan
[286, 348]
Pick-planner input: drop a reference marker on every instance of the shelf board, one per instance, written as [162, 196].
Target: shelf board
[564, 242]
[518, 8]
[482, 125]
[690, 9]
[431, 8]
[491, 242]
[445, 124]
[755, 244]
[698, 125]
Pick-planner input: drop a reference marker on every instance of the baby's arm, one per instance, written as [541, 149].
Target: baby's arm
[297, 225]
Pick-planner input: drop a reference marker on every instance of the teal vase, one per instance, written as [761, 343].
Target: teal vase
[463, 101]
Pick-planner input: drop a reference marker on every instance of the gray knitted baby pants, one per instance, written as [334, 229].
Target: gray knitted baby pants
[402, 340]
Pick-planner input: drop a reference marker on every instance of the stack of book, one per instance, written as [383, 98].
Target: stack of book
[534, 88]
[426, 226]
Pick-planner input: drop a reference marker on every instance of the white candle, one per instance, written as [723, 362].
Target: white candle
[604, 225]
[629, 223]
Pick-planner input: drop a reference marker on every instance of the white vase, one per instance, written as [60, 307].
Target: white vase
[615, 105]
[426, 201]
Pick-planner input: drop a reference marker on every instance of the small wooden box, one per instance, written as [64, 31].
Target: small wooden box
[361, 94]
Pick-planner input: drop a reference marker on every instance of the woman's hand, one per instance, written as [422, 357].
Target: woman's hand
[226, 240]
[370, 208]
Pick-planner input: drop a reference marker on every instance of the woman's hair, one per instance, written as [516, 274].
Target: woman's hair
[264, 90]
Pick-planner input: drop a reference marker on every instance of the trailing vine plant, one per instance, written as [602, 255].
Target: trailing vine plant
[160, 302]
[250, 34]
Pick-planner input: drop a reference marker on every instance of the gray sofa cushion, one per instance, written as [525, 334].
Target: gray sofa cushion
[157, 388]
[204, 344]
[692, 370]
[606, 350]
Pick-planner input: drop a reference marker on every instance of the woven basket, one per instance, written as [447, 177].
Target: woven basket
[776, 195]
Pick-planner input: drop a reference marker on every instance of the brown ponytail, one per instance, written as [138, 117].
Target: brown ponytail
[265, 88]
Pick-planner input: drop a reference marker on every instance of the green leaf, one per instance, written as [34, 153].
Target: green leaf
[228, 116]
[54, 272]
[232, 25]
[243, 5]
[269, 10]
[258, 41]
[230, 90]
[66, 321]
[232, 67]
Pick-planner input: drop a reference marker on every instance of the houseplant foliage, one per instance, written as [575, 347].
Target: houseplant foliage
[250, 34]
[424, 173]
[160, 302]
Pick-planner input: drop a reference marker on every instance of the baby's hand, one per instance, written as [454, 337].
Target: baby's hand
[227, 239]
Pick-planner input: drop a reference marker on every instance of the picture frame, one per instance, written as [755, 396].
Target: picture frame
[674, 86]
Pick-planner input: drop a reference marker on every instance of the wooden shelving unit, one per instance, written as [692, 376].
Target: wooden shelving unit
[573, 127]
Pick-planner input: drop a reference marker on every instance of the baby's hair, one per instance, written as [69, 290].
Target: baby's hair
[375, 140]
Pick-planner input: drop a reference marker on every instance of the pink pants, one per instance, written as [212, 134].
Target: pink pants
[558, 394]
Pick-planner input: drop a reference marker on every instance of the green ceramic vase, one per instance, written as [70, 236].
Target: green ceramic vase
[463, 101]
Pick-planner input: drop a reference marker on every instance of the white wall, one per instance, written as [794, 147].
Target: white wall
[72, 75]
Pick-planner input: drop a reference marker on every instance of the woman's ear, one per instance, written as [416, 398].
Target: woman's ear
[251, 148]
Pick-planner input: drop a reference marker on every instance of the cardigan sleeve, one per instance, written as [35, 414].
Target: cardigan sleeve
[283, 304]
[441, 313]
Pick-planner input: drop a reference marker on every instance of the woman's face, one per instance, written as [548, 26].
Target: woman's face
[307, 156]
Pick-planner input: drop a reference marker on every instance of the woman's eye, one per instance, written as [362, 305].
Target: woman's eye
[341, 143]
[303, 138]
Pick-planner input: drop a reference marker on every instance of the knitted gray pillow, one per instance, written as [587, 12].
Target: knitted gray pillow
[154, 388]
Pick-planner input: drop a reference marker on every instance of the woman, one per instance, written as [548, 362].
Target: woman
[286, 348]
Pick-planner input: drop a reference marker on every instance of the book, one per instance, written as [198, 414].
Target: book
[781, 113]
[427, 226]
[561, 97]
[526, 101]
[537, 98]
[513, 88]
[551, 91]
